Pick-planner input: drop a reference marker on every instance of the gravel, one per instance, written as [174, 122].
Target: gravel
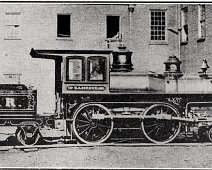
[197, 156]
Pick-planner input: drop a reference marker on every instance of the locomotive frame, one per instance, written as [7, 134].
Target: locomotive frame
[91, 105]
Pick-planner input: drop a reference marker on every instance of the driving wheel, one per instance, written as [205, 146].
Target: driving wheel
[160, 130]
[92, 123]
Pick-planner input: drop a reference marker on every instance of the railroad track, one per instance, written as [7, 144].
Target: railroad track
[37, 147]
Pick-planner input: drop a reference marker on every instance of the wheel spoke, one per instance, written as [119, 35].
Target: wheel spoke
[88, 133]
[85, 115]
[103, 126]
[93, 111]
[82, 121]
[80, 126]
[152, 130]
[157, 131]
[167, 110]
[84, 130]
[100, 129]
[88, 114]
[92, 137]
[98, 111]
[151, 125]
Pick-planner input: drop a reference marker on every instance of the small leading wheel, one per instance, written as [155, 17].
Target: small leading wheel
[161, 130]
[27, 139]
[209, 133]
[92, 124]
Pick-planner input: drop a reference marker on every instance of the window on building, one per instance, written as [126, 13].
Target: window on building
[201, 21]
[184, 24]
[158, 25]
[12, 26]
[64, 25]
[97, 68]
[75, 69]
[113, 26]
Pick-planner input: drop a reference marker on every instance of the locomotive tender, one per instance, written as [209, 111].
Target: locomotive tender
[96, 91]
[17, 105]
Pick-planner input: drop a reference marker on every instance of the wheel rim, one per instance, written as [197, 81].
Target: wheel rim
[24, 140]
[210, 134]
[92, 131]
[160, 130]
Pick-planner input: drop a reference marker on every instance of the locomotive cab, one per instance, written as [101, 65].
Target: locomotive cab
[86, 73]
[81, 71]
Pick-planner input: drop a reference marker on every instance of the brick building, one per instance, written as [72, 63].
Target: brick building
[148, 30]
[196, 36]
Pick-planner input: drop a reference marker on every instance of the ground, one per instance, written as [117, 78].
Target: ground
[168, 156]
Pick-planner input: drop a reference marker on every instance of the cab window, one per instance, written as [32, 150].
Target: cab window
[75, 69]
[96, 68]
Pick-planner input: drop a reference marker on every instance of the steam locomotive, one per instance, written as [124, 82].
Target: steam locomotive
[97, 92]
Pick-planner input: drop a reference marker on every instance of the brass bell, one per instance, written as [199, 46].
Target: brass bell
[204, 66]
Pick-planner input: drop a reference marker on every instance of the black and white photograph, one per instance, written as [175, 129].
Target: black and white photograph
[105, 85]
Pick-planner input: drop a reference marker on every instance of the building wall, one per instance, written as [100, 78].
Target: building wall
[38, 24]
[194, 52]
[147, 56]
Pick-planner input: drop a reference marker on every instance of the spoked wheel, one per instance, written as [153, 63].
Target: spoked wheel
[209, 133]
[27, 138]
[92, 124]
[160, 130]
